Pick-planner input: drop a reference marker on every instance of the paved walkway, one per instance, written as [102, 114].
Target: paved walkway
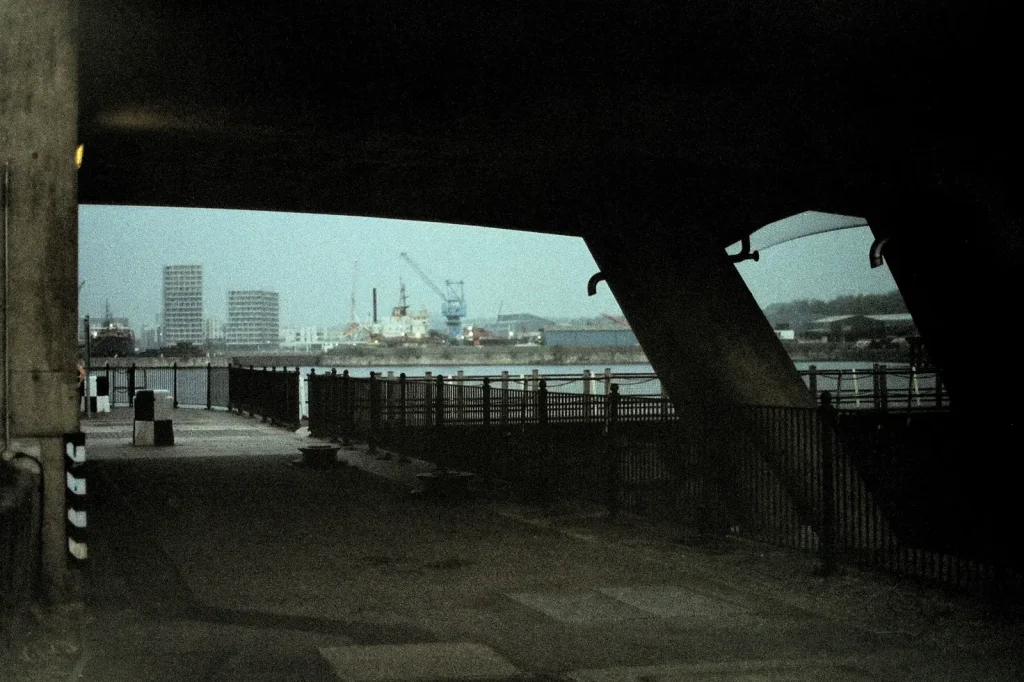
[220, 558]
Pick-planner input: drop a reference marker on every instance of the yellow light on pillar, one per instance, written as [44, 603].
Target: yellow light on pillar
[79, 152]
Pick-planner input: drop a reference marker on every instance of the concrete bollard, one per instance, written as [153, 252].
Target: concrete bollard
[153, 424]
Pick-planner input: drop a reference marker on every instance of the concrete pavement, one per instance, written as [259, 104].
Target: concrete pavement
[220, 559]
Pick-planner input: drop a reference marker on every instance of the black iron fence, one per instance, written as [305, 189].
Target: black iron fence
[270, 394]
[191, 386]
[836, 482]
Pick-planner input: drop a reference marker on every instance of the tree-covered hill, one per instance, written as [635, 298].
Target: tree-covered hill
[798, 314]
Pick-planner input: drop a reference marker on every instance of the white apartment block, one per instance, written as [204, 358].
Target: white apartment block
[183, 304]
[253, 319]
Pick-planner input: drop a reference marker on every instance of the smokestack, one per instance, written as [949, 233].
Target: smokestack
[375, 305]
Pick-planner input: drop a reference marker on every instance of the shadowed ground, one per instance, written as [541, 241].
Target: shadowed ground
[244, 566]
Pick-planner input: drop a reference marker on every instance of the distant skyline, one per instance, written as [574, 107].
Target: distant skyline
[310, 260]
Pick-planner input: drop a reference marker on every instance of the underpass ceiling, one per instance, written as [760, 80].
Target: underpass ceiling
[548, 116]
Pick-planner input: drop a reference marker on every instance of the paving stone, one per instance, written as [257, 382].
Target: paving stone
[673, 602]
[579, 608]
[419, 662]
[814, 670]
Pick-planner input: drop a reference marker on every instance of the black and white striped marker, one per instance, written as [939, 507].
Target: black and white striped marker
[75, 496]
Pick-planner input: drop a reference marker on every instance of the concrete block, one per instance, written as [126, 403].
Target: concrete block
[144, 405]
[163, 406]
[163, 432]
[143, 433]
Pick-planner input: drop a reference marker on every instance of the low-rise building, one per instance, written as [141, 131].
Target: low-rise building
[606, 331]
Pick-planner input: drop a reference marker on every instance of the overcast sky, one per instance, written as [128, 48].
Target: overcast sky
[310, 259]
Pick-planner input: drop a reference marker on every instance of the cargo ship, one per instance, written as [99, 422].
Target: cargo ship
[112, 339]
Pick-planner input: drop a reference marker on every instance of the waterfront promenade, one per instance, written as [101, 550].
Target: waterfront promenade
[220, 559]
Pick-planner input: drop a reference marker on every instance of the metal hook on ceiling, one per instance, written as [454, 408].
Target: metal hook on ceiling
[745, 253]
[592, 283]
[875, 254]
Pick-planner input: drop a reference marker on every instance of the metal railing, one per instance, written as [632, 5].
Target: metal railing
[817, 479]
[202, 386]
[269, 394]
[881, 388]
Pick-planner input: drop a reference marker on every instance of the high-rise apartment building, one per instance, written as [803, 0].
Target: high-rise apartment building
[253, 319]
[183, 304]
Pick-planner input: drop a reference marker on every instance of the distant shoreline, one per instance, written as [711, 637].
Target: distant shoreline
[484, 356]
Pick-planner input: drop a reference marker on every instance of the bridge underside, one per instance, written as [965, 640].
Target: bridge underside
[659, 131]
[657, 125]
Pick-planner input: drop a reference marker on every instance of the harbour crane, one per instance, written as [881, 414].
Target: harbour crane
[454, 298]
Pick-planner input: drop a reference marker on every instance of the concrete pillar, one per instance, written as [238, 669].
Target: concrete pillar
[709, 343]
[956, 253]
[38, 136]
[951, 253]
[699, 325]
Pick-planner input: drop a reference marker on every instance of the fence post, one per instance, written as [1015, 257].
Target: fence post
[828, 509]
[440, 452]
[371, 440]
[876, 398]
[329, 405]
[607, 380]
[209, 385]
[174, 374]
[535, 379]
[131, 386]
[938, 389]
[249, 377]
[504, 397]
[428, 398]
[586, 395]
[402, 395]
[315, 419]
[883, 387]
[487, 401]
[460, 397]
[347, 418]
[264, 406]
[812, 381]
[548, 465]
[296, 383]
[612, 454]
